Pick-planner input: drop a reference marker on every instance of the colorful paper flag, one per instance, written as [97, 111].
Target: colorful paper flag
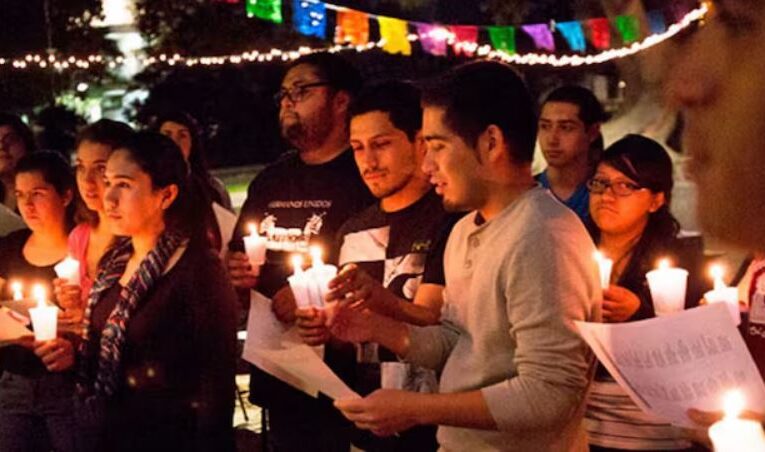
[657, 22]
[465, 39]
[310, 17]
[503, 38]
[395, 32]
[629, 28]
[542, 36]
[433, 38]
[265, 9]
[600, 33]
[352, 27]
[573, 34]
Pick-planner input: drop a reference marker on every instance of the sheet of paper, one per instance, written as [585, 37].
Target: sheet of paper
[670, 364]
[11, 328]
[226, 223]
[280, 352]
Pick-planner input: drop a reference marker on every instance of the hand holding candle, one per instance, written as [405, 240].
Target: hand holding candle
[668, 287]
[44, 318]
[723, 294]
[733, 434]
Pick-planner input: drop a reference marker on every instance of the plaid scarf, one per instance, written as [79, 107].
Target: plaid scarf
[107, 378]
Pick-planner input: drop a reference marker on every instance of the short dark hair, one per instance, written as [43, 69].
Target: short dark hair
[478, 94]
[643, 160]
[399, 99]
[21, 129]
[55, 171]
[338, 72]
[590, 109]
[105, 131]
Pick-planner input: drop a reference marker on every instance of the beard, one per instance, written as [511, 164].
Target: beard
[307, 133]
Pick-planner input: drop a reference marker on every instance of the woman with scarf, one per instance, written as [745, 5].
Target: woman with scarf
[92, 237]
[157, 361]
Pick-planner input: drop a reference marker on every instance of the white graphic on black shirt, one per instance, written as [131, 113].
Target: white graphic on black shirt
[290, 239]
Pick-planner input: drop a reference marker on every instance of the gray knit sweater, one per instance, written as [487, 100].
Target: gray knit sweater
[514, 286]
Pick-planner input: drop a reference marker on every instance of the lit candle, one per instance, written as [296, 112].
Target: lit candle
[604, 266]
[717, 272]
[255, 248]
[69, 269]
[732, 434]
[723, 294]
[17, 290]
[299, 283]
[322, 274]
[668, 285]
[44, 318]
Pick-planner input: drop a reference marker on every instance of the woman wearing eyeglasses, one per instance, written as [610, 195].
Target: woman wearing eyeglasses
[629, 203]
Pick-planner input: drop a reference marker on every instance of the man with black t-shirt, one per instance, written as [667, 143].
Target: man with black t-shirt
[389, 252]
[301, 199]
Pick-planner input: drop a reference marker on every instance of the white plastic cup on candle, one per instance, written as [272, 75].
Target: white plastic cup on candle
[729, 296]
[605, 265]
[394, 375]
[69, 269]
[668, 285]
[44, 318]
[733, 434]
[255, 248]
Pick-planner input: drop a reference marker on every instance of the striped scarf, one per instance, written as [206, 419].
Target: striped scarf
[107, 378]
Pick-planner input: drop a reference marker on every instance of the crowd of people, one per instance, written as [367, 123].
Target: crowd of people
[454, 258]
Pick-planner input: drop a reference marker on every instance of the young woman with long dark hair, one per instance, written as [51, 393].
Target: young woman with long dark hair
[157, 361]
[630, 195]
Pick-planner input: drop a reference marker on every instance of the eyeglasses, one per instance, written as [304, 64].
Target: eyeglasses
[296, 93]
[599, 186]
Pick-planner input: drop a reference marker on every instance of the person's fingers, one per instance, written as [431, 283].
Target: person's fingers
[704, 418]
[354, 405]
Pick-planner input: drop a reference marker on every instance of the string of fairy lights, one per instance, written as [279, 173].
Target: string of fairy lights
[60, 63]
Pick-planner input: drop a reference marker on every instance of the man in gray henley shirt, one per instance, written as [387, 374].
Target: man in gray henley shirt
[519, 270]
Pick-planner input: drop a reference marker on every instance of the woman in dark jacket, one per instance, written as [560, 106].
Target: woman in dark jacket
[157, 361]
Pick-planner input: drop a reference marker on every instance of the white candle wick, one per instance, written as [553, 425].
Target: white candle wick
[16, 288]
[316, 256]
[297, 263]
[38, 293]
[733, 404]
[717, 272]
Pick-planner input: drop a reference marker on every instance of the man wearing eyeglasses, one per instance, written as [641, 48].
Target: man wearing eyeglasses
[569, 135]
[300, 201]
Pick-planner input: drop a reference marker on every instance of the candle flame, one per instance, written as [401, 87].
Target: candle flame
[16, 286]
[253, 228]
[38, 293]
[716, 271]
[598, 256]
[733, 403]
[297, 263]
[664, 264]
[316, 256]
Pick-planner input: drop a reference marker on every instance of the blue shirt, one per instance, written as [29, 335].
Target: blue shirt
[579, 201]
